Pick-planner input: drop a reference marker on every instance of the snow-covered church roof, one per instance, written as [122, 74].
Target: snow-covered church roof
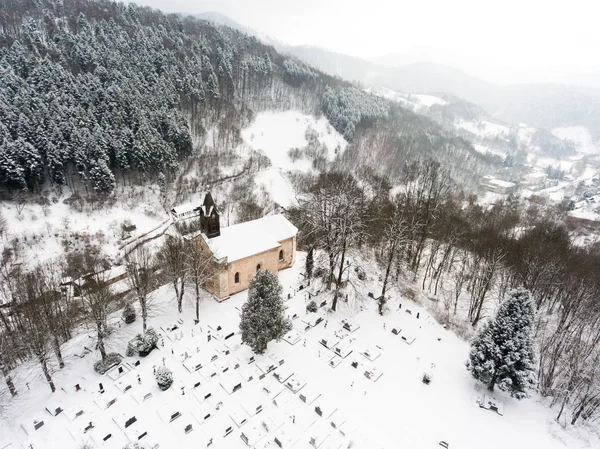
[252, 237]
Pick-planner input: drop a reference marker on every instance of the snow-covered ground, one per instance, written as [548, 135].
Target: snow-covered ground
[373, 391]
[275, 134]
[41, 232]
[580, 136]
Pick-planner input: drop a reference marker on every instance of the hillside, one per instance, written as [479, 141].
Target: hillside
[104, 95]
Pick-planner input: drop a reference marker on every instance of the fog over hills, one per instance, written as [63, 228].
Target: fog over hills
[540, 105]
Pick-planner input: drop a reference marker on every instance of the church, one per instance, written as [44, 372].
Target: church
[239, 251]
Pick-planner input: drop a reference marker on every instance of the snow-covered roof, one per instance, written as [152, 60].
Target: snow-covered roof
[252, 237]
[184, 208]
[498, 182]
[585, 214]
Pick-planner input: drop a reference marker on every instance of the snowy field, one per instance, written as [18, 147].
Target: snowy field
[580, 136]
[275, 134]
[353, 379]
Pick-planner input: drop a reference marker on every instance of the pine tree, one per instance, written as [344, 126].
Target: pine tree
[262, 318]
[309, 263]
[502, 352]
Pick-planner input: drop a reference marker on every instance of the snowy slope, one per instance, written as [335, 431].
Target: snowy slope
[275, 134]
[580, 136]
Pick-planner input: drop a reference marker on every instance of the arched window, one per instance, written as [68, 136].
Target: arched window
[236, 278]
[257, 268]
[281, 255]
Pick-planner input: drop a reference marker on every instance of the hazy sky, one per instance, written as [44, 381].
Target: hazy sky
[500, 40]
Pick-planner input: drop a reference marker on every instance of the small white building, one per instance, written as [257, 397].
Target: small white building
[496, 185]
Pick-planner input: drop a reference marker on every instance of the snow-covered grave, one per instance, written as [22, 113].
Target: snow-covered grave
[271, 421]
[141, 394]
[265, 363]
[222, 333]
[329, 340]
[271, 387]
[283, 373]
[106, 434]
[33, 425]
[334, 361]
[127, 381]
[337, 419]
[343, 348]
[491, 403]
[203, 393]
[371, 353]
[287, 435]
[283, 397]
[276, 357]
[311, 320]
[252, 433]
[309, 394]
[106, 399]
[318, 433]
[251, 372]
[371, 372]
[334, 441]
[169, 412]
[295, 383]
[53, 407]
[194, 362]
[238, 415]
[408, 338]
[350, 326]
[75, 412]
[292, 337]
[231, 382]
[118, 371]
[324, 406]
[172, 331]
[203, 412]
[251, 401]
[222, 425]
[233, 343]
[209, 371]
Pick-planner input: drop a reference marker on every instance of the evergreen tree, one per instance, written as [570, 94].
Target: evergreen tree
[502, 352]
[262, 318]
[309, 263]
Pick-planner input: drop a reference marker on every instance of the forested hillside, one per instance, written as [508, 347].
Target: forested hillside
[93, 94]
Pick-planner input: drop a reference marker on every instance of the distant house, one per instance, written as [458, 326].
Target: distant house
[535, 178]
[584, 217]
[242, 249]
[498, 185]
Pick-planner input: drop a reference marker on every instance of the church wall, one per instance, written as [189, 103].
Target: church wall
[268, 260]
[289, 253]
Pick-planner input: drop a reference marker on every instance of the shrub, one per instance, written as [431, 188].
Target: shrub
[112, 359]
[426, 379]
[311, 307]
[129, 314]
[164, 377]
[142, 344]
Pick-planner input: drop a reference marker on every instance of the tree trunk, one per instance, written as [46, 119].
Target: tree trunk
[339, 278]
[180, 297]
[8, 380]
[197, 302]
[56, 347]
[100, 344]
[144, 307]
[42, 360]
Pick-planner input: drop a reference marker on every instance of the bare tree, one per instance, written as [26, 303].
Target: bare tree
[172, 257]
[142, 279]
[333, 220]
[33, 324]
[200, 269]
[6, 349]
[97, 301]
